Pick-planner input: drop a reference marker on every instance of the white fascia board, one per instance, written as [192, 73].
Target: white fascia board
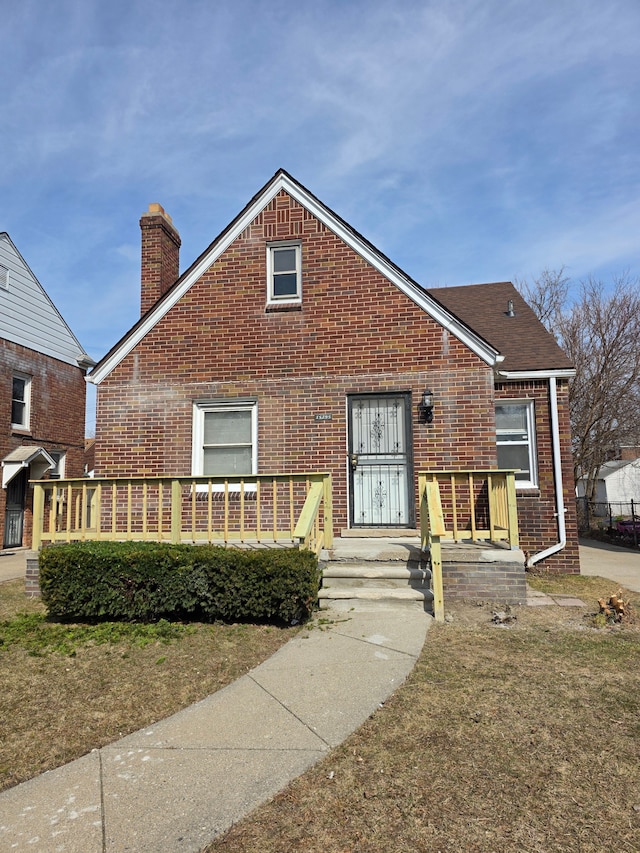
[564, 373]
[282, 182]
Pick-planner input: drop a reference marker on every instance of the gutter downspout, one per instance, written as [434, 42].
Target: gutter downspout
[557, 476]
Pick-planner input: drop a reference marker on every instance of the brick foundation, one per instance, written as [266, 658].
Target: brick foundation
[32, 575]
[493, 576]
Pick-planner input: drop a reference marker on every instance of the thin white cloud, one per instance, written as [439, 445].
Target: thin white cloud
[470, 140]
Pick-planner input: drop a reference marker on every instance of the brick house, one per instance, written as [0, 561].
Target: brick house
[293, 344]
[42, 396]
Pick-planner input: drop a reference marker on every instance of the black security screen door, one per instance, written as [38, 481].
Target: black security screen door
[14, 515]
[381, 477]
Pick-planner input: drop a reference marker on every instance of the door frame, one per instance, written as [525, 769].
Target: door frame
[406, 397]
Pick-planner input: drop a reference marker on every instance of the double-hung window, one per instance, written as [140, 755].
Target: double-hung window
[515, 439]
[224, 439]
[284, 273]
[20, 401]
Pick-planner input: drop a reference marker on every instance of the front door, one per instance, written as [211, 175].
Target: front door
[14, 515]
[381, 476]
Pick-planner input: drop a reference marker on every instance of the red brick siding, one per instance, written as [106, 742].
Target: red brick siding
[57, 413]
[160, 258]
[536, 507]
[354, 333]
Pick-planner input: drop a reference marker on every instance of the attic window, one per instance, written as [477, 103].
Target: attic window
[284, 273]
[4, 278]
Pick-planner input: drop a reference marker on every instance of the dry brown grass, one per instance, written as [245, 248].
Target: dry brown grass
[522, 738]
[55, 707]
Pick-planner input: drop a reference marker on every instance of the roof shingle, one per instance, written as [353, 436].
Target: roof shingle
[521, 339]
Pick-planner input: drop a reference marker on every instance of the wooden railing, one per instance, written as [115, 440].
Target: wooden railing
[459, 506]
[432, 531]
[263, 509]
[478, 505]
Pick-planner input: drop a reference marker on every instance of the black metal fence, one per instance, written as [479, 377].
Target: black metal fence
[618, 519]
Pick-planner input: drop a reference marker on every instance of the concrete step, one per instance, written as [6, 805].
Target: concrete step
[354, 583]
[399, 572]
[374, 598]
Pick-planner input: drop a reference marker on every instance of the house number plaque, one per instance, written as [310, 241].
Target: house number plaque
[325, 417]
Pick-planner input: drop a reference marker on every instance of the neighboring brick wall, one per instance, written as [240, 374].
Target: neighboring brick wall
[536, 508]
[58, 392]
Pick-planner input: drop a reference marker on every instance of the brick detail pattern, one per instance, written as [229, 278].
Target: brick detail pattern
[58, 394]
[501, 583]
[354, 333]
[160, 256]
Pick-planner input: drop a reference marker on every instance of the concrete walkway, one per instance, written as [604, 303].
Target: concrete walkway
[176, 785]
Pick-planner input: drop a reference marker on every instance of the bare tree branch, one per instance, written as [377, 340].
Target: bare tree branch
[600, 332]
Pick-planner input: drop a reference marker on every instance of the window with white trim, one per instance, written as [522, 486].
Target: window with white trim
[284, 273]
[515, 439]
[21, 401]
[57, 472]
[224, 439]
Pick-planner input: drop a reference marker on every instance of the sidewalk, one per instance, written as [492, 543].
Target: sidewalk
[178, 784]
[13, 564]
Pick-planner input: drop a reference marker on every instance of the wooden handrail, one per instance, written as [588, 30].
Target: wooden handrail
[431, 539]
[306, 522]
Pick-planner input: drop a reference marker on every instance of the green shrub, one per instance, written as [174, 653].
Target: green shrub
[146, 581]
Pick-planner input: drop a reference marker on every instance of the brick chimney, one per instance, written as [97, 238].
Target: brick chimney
[160, 255]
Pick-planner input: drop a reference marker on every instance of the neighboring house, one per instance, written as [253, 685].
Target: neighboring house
[293, 344]
[617, 484]
[42, 396]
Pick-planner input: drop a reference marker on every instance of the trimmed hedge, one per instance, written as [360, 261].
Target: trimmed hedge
[146, 581]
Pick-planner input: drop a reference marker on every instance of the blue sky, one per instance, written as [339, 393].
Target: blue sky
[470, 140]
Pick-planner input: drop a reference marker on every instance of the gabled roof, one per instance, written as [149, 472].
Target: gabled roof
[528, 348]
[26, 456]
[283, 181]
[28, 317]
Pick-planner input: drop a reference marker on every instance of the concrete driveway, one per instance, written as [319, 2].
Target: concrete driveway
[621, 565]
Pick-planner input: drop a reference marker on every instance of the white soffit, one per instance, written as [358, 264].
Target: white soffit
[283, 182]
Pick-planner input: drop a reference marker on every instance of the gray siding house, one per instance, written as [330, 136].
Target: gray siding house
[42, 393]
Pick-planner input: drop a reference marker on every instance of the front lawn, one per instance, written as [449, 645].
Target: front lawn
[68, 689]
[519, 738]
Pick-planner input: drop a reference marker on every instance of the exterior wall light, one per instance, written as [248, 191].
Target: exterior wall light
[425, 407]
